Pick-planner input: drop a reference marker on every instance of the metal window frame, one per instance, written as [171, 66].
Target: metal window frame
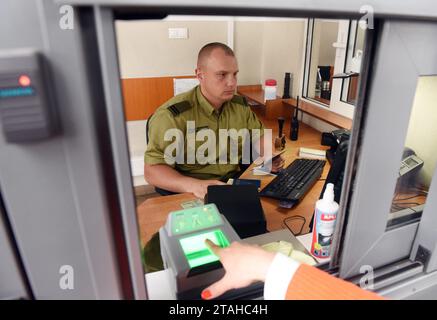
[367, 240]
[349, 254]
[13, 278]
[88, 155]
[352, 34]
[67, 210]
[309, 36]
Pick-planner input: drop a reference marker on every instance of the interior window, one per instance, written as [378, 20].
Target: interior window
[352, 67]
[418, 160]
[322, 34]
[157, 60]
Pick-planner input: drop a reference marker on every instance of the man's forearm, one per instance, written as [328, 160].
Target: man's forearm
[165, 177]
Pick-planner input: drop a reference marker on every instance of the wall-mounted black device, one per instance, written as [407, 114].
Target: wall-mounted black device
[26, 104]
[333, 139]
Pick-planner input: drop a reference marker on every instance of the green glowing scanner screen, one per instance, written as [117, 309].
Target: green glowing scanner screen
[196, 251]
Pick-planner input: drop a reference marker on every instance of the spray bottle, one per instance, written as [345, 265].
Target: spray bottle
[325, 218]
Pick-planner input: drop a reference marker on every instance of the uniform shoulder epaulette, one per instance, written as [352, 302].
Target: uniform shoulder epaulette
[179, 107]
[240, 100]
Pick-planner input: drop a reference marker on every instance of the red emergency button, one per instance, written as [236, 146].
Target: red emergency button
[24, 80]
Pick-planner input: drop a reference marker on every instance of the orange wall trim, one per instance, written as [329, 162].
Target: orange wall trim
[142, 96]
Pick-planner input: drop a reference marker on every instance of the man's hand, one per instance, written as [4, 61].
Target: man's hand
[243, 263]
[200, 187]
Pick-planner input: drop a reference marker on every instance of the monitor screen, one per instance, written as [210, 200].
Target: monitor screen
[196, 251]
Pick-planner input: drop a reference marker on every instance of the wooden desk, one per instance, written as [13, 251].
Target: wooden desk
[271, 109]
[153, 212]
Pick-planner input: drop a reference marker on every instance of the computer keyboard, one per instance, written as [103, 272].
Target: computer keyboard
[292, 183]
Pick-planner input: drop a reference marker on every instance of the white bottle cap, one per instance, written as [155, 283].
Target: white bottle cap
[328, 195]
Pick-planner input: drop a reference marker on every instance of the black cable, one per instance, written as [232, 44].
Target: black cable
[397, 206]
[295, 218]
[416, 210]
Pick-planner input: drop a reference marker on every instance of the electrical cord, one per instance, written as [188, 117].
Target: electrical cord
[295, 218]
[397, 206]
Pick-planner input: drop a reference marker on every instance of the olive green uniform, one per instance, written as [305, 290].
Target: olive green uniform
[192, 106]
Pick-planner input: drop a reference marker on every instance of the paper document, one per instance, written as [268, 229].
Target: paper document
[183, 85]
[287, 249]
[312, 153]
[262, 171]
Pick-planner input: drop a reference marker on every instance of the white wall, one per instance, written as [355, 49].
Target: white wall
[322, 52]
[422, 130]
[283, 52]
[248, 48]
[328, 35]
[264, 48]
[136, 132]
[146, 51]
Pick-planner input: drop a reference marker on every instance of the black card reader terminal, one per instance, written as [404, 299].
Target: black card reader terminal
[27, 111]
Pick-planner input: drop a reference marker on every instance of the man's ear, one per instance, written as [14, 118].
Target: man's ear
[199, 74]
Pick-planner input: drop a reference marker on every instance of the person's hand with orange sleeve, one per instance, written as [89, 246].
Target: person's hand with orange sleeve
[244, 264]
[284, 278]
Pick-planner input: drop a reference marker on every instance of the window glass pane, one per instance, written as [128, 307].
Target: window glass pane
[352, 67]
[419, 158]
[322, 60]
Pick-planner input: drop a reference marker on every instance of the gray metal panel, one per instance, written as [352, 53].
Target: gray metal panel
[405, 8]
[390, 247]
[53, 190]
[23, 34]
[11, 283]
[421, 287]
[427, 233]
[114, 103]
[405, 51]
[353, 152]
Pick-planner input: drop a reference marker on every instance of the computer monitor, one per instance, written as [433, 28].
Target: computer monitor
[336, 173]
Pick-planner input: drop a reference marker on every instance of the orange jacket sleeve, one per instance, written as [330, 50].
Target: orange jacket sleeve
[310, 283]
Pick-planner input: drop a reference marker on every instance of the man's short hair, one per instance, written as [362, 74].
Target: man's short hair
[208, 48]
